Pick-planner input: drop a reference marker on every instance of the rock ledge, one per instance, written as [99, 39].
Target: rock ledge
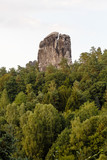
[52, 49]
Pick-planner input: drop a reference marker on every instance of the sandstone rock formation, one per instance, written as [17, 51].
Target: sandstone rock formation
[52, 49]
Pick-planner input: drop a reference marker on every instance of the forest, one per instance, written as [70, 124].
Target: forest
[59, 114]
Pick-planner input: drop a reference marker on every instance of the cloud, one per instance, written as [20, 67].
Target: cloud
[60, 27]
[31, 22]
[25, 13]
[20, 22]
[11, 7]
[67, 4]
[35, 5]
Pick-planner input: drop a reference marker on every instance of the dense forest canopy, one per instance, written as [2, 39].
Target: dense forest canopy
[59, 114]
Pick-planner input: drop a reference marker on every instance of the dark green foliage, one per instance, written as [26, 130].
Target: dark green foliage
[97, 91]
[60, 145]
[2, 71]
[86, 111]
[11, 87]
[75, 99]
[64, 94]
[90, 137]
[44, 125]
[58, 76]
[57, 114]
[39, 82]
[6, 146]
[52, 98]
[20, 98]
[4, 101]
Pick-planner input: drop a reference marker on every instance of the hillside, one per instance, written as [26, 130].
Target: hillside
[57, 114]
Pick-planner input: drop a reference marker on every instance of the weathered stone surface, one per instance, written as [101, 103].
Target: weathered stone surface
[52, 49]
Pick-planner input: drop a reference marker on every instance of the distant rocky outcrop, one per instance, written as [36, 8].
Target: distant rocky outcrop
[31, 63]
[52, 49]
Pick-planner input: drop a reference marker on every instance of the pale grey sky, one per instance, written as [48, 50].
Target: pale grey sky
[24, 23]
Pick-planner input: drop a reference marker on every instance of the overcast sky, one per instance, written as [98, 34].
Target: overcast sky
[24, 23]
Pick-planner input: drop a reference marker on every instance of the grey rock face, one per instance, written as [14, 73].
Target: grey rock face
[52, 49]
